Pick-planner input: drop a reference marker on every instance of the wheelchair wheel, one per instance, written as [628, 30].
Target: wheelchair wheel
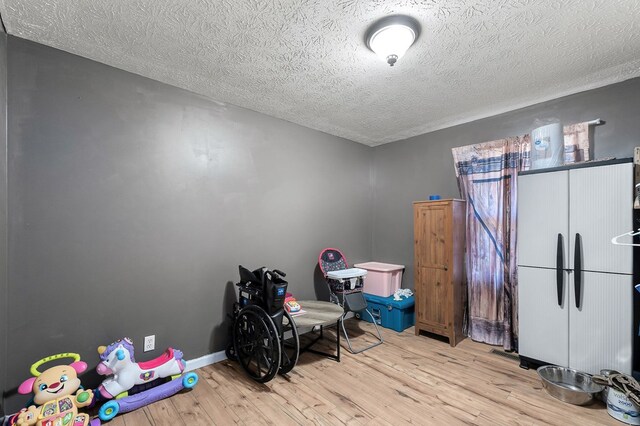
[230, 352]
[290, 347]
[257, 344]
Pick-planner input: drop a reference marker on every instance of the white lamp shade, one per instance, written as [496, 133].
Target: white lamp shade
[392, 40]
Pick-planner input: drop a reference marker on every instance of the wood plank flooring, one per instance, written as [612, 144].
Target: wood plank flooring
[407, 380]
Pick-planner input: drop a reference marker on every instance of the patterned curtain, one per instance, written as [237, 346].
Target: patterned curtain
[486, 175]
[487, 180]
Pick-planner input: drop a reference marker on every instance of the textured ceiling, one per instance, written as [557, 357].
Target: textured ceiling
[305, 60]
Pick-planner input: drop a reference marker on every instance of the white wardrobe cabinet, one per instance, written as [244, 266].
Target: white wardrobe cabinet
[575, 288]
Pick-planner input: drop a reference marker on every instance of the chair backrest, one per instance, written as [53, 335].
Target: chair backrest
[332, 259]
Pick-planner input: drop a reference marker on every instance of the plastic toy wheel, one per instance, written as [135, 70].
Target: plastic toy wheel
[109, 410]
[189, 380]
[257, 344]
[290, 347]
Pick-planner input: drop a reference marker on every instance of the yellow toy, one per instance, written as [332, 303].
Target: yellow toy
[58, 395]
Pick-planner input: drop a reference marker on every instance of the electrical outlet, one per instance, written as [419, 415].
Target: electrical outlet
[149, 343]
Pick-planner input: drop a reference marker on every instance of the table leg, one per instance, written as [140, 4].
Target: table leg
[338, 339]
[336, 356]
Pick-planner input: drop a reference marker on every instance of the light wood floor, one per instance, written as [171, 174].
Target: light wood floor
[407, 380]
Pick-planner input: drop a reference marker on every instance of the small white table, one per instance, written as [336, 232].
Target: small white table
[318, 313]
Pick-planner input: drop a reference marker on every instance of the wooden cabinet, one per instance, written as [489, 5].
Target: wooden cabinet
[439, 232]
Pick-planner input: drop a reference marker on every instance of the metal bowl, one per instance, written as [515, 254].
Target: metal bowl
[565, 384]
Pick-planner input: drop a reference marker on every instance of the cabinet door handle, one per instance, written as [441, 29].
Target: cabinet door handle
[560, 269]
[577, 266]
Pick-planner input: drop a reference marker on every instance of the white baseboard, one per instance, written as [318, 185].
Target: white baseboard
[203, 361]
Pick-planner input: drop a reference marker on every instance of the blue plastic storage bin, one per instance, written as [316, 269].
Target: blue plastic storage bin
[388, 313]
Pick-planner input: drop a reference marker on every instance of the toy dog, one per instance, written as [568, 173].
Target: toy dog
[58, 395]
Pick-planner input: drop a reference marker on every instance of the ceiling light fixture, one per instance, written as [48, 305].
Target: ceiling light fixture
[390, 37]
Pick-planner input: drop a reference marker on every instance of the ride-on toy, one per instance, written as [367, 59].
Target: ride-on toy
[136, 384]
[58, 393]
[259, 326]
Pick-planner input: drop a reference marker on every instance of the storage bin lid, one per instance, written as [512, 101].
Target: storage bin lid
[344, 274]
[406, 302]
[379, 267]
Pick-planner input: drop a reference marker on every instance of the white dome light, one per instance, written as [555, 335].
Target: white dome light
[390, 37]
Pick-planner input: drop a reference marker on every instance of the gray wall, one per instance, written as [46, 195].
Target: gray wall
[132, 204]
[3, 214]
[412, 169]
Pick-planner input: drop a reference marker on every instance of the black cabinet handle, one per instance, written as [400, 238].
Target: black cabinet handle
[560, 268]
[577, 266]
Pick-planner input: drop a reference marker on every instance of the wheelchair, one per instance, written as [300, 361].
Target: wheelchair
[259, 324]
